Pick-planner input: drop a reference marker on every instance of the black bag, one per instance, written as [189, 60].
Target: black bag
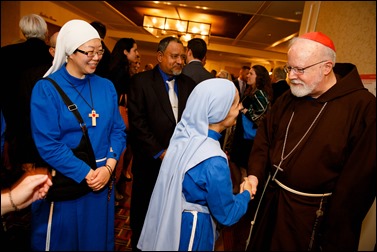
[65, 188]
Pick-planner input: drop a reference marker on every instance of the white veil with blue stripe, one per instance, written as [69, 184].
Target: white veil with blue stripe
[208, 103]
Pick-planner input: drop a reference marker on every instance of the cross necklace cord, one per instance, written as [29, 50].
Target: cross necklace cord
[278, 167]
[93, 114]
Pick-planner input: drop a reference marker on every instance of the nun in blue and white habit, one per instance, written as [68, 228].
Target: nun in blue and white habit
[85, 223]
[194, 188]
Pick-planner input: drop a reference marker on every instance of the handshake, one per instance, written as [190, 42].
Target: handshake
[250, 184]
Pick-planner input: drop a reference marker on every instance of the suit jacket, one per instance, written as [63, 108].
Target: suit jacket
[196, 71]
[19, 58]
[278, 89]
[151, 117]
[26, 62]
[237, 84]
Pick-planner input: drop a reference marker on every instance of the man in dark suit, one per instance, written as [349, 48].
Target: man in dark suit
[279, 83]
[195, 58]
[103, 66]
[25, 62]
[240, 82]
[152, 123]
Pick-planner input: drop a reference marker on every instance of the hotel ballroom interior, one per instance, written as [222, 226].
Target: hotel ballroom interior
[238, 33]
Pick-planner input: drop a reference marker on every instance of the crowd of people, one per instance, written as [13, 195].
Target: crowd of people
[203, 149]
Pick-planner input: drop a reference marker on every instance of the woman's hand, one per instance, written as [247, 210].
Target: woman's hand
[29, 188]
[98, 178]
[250, 184]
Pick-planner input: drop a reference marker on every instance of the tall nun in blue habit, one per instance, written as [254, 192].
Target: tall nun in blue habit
[87, 222]
[194, 188]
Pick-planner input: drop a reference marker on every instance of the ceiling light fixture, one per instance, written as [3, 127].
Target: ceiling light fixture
[183, 29]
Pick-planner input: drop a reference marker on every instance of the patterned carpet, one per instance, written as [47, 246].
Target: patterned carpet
[122, 214]
[122, 226]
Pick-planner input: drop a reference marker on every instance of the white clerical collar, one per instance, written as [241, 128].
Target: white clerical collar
[194, 60]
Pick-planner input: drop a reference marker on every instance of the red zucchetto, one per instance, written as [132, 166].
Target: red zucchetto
[320, 38]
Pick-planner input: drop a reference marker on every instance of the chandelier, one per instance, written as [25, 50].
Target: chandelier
[183, 29]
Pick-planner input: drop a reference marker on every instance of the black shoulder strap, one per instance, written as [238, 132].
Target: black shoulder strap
[71, 106]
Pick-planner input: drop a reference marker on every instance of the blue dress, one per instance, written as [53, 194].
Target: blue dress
[209, 184]
[194, 178]
[86, 223]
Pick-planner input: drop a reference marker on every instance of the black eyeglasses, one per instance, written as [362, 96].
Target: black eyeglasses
[91, 54]
[298, 70]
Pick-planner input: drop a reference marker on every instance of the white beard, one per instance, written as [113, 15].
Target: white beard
[301, 90]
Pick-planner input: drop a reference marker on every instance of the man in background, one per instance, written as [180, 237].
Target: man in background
[148, 66]
[53, 43]
[195, 58]
[240, 82]
[279, 83]
[152, 122]
[103, 66]
[25, 61]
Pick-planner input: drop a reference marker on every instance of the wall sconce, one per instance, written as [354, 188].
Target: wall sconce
[183, 29]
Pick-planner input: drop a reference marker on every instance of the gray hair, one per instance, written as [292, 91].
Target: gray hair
[279, 73]
[328, 52]
[165, 42]
[33, 26]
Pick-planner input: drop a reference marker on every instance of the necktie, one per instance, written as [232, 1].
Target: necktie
[242, 87]
[173, 98]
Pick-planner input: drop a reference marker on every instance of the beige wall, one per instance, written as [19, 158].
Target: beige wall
[350, 24]
[352, 27]
[10, 16]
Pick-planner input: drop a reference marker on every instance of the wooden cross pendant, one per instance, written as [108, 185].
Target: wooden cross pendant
[94, 116]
